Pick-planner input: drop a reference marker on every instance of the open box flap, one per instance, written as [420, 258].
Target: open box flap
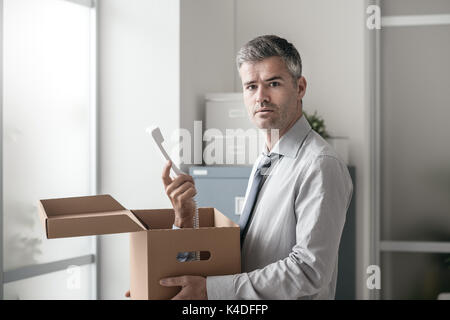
[154, 219]
[85, 216]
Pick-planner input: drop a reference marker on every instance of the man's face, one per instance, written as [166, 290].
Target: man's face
[270, 95]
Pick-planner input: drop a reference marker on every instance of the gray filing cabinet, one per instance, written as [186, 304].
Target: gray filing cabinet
[223, 187]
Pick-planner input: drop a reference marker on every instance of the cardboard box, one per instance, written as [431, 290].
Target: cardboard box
[153, 244]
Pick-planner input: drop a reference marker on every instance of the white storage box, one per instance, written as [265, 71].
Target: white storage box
[226, 111]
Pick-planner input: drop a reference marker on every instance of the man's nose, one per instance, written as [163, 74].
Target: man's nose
[262, 95]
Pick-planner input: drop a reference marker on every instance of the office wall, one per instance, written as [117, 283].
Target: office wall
[207, 49]
[138, 86]
[330, 36]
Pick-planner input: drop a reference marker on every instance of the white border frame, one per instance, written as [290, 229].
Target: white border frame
[93, 134]
[415, 246]
[373, 75]
[415, 20]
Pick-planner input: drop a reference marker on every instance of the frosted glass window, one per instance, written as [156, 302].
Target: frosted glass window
[46, 123]
[415, 133]
[73, 283]
[407, 275]
[414, 7]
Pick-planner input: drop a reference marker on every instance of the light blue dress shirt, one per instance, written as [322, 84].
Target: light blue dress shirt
[291, 247]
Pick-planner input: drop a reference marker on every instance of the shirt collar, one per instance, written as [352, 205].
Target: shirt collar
[292, 140]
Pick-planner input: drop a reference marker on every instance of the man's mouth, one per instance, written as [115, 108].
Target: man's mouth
[264, 110]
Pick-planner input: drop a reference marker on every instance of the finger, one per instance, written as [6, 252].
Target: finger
[179, 180]
[180, 190]
[173, 282]
[188, 194]
[167, 180]
[183, 178]
[180, 296]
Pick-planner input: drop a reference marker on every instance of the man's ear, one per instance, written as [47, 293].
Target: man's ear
[301, 87]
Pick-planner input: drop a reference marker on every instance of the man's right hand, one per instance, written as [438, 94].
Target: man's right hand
[181, 192]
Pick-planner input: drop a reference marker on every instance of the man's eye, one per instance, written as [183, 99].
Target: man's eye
[251, 87]
[274, 84]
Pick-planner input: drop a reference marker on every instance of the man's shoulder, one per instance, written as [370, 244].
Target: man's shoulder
[316, 150]
[318, 158]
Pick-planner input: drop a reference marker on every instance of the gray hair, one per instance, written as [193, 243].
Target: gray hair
[267, 46]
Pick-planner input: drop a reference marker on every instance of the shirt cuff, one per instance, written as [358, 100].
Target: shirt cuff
[220, 287]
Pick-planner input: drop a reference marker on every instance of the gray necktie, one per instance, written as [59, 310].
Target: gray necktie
[260, 172]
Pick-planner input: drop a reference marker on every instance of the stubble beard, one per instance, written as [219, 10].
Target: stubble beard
[278, 123]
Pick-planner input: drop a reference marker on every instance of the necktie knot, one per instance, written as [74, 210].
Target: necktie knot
[265, 163]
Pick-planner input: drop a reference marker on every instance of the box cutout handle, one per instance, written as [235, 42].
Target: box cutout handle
[190, 256]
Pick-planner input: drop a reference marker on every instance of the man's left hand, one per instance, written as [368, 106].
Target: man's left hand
[192, 287]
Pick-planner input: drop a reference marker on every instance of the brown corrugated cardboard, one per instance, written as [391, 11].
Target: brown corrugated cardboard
[158, 248]
[153, 244]
[86, 216]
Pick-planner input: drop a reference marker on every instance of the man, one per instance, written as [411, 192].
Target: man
[294, 213]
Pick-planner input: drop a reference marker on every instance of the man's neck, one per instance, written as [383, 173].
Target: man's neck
[272, 138]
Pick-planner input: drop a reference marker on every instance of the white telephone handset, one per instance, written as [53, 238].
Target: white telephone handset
[155, 132]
